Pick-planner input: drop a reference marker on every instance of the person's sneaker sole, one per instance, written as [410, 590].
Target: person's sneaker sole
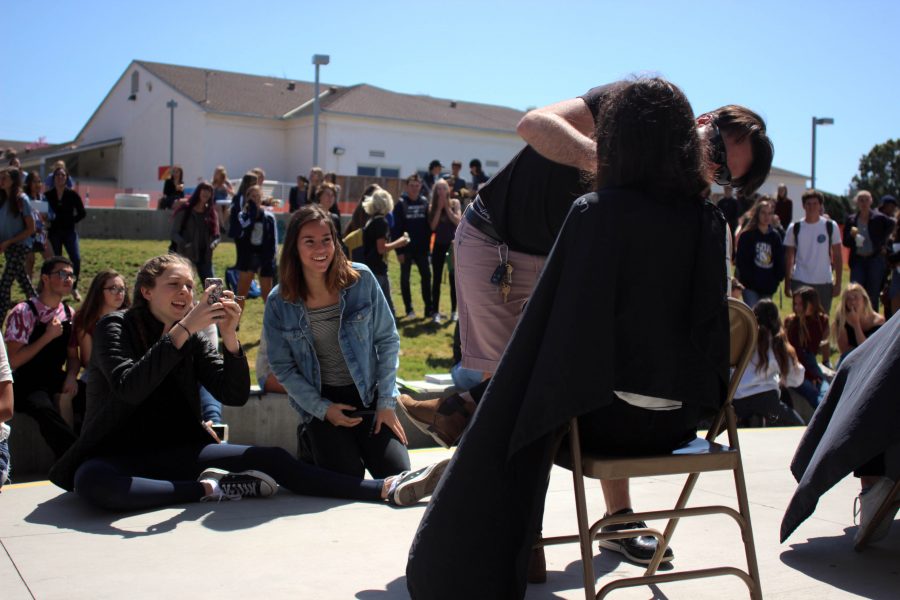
[419, 484]
[423, 427]
[615, 546]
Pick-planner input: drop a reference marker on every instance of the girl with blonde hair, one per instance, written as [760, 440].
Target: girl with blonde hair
[855, 320]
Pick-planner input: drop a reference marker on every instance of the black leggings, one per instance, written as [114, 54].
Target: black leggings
[352, 450]
[438, 260]
[169, 476]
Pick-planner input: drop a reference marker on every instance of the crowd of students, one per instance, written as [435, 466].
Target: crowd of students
[132, 431]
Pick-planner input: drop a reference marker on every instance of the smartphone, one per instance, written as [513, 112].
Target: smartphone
[216, 293]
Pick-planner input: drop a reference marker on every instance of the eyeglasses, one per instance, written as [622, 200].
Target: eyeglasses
[64, 275]
[719, 156]
[115, 289]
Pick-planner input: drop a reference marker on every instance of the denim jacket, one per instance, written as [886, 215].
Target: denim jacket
[367, 336]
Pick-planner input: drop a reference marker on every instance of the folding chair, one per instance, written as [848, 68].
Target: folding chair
[888, 507]
[701, 455]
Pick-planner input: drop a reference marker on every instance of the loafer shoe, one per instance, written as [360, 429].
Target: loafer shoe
[638, 549]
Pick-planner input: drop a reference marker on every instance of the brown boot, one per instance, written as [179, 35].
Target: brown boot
[444, 419]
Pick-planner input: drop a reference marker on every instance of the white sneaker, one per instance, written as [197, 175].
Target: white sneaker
[454, 316]
[867, 504]
[436, 319]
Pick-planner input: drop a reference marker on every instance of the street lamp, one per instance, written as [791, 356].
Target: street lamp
[171, 105]
[317, 59]
[816, 121]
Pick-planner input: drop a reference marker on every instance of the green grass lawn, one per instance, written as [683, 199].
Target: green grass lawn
[424, 346]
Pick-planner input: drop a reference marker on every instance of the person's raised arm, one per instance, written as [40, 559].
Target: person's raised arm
[562, 132]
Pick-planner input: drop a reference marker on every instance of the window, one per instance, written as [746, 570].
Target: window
[367, 171]
[491, 164]
[373, 171]
[376, 153]
[390, 172]
[135, 82]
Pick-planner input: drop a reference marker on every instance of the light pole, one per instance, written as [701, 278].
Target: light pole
[816, 121]
[317, 59]
[171, 105]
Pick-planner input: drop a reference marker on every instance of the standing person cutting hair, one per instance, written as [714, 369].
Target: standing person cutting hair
[333, 345]
[143, 444]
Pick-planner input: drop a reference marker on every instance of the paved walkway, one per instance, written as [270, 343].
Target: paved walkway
[53, 546]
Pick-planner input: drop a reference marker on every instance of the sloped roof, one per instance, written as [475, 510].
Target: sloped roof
[234, 93]
[253, 95]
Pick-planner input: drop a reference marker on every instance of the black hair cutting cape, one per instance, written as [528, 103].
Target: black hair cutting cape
[475, 537]
[858, 420]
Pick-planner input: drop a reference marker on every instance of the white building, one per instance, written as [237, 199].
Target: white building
[244, 121]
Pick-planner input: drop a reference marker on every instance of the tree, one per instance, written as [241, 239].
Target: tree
[879, 170]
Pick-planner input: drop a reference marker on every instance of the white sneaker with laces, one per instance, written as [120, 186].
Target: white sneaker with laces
[867, 504]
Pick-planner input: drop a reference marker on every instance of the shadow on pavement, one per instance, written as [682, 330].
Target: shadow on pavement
[873, 573]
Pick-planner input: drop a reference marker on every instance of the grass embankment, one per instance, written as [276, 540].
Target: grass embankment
[424, 346]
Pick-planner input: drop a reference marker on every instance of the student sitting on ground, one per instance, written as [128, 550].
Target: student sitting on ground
[807, 332]
[855, 320]
[37, 340]
[333, 345]
[107, 293]
[143, 444]
[773, 365]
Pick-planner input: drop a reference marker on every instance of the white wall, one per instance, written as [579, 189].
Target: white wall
[240, 144]
[409, 147]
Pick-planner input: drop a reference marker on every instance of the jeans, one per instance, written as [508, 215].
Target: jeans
[751, 297]
[420, 259]
[69, 239]
[868, 271]
[55, 431]
[438, 260]
[464, 379]
[385, 284]
[161, 477]
[4, 454]
[210, 408]
[813, 394]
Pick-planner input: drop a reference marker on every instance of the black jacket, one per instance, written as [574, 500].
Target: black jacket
[594, 324]
[67, 210]
[760, 260]
[123, 375]
[856, 422]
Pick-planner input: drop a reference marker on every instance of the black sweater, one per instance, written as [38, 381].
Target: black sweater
[67, 210]
[127, 376]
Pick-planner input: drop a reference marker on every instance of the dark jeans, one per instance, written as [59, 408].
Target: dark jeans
[767, 405]
[438, 260]
[210, 408]
[54, 429]
[352, 450]
[69, 239]
[868, 271]
[385, 284]
[420, 259]
[169, 476]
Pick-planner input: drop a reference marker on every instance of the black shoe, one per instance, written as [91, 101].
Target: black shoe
[537, 566]
[637, 549]
[234, 486]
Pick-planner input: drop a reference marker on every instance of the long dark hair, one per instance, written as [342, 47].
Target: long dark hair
[209, 215]
[247, 181]
[772, 335]
[89, 313]
[11, 200]
[293, 283]
[808, 297]
[30, 179]
[647, 140]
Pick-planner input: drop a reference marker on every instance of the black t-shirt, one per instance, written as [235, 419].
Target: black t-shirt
[375, 230]
[529, 198]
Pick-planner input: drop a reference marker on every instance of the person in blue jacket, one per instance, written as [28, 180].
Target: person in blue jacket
[333, 345]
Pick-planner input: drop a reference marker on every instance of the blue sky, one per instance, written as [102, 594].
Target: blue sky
[789, 60]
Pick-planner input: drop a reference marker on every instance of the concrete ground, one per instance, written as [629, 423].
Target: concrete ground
[54, 546]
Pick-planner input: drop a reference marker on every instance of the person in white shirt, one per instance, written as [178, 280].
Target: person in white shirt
[772, 366]
[813, 252]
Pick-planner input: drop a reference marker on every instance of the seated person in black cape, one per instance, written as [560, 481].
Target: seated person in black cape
[592, 343]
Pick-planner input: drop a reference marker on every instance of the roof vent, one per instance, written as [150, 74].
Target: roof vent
[292, 86]
[453, 104]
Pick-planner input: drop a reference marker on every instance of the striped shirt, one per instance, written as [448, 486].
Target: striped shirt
[325, 323]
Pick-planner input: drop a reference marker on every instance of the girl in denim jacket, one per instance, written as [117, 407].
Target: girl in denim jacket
[333, 345]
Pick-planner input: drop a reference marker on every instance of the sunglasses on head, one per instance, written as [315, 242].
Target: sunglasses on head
[719, 156]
